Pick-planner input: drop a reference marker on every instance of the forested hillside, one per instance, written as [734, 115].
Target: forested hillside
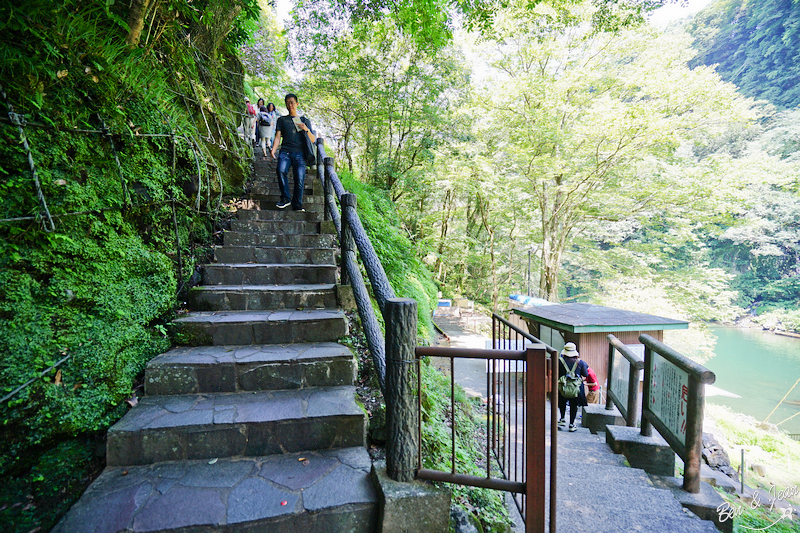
[755, 45]
[555, 135]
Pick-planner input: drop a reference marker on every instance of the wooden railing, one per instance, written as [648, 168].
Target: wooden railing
[623, 381]
[673, 401]
[352, 238]
[515, 425]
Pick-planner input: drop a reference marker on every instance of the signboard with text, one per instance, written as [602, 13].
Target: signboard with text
[669, 395]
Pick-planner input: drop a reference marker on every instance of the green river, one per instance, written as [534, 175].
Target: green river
[760, 367]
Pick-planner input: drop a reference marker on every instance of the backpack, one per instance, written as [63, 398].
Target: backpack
[309, 148]
[263, 120]
[569, 385]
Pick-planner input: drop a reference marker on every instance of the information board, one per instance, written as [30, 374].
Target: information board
[619, 378]
[669, 395]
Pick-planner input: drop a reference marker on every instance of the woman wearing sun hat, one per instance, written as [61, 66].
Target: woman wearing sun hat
[570, 361]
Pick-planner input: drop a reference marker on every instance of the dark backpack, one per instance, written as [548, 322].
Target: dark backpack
[309, 148]
[569, 385]
[263, 120]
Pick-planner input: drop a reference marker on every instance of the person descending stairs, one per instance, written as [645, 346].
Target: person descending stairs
[253, 423]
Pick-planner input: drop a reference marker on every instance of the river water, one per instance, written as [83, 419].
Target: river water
[760, 367]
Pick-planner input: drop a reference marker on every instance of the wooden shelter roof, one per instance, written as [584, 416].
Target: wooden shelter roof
[591, 318]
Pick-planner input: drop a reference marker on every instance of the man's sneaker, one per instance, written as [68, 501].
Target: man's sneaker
[573, 427]
[301, 210]
[562, 423]
[284, 205]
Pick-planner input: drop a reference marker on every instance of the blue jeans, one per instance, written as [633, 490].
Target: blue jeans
[298, 162]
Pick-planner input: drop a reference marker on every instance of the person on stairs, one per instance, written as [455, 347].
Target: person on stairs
[264, 125]
[289, 134]
[593, 396]
[249, 126]
[571, 371]
[259, 105]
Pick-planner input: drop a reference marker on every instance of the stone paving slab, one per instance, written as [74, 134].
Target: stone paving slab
[275, 254]
[238, 238]
[612, 494]
[261, 327]
[196, 426]
[262, 297]
[329, 489]
[208, 369]
[266, 274]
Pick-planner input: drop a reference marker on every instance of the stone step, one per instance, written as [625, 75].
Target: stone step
[568, 469]
[234, 238]
[264, 274]
[270, 203]
[611, 493]
[210, 369]
[275, 254]
[277, 214]
[589, 456]
[208, 426]
[568, 447]
[219, 328]
[268, 198]
[276, 227]
[599, 518]
[310, 491]
[268, 184]
[262, 297]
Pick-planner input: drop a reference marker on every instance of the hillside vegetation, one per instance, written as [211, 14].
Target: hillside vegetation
[112, 175]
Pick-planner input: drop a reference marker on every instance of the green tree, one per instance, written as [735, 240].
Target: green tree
[385, 101]
[589, 126]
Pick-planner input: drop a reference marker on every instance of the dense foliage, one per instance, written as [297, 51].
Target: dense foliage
[407, 275]
[129, 114]
[593, 152]
[755, 45]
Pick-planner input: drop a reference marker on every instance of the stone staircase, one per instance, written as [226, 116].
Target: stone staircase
[598, 493]
[252, 425]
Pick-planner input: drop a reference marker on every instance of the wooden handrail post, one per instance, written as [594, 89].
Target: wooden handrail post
[402, 442]
[647, 427]
[347, 242]
[694, 435]
[321, 176]
[633, 396]
[609, 401]
[535, 385]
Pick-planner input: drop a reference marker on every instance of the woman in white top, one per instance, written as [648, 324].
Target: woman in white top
[273, 120]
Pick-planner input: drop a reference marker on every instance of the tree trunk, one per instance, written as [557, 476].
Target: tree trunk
[136, 17]
[448, 205]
